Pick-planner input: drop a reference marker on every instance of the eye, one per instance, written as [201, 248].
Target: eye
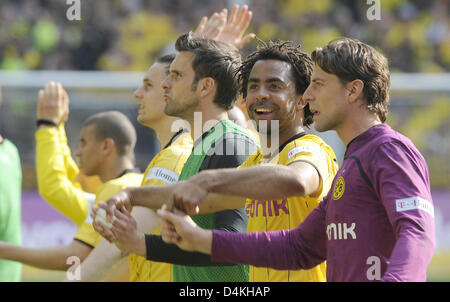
[274, 86]
[252, 87]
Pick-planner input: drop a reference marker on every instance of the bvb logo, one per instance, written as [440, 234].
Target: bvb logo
[339, 188]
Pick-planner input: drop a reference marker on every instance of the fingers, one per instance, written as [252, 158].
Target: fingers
[109, 207]
[104, 231]
[198, 32]
[233, 14]
[215, 25]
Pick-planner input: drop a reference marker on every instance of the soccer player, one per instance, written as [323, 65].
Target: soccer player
[59, 179]
[106, 149]
[201, 79]
[164, 168]
[377, 221]
[10, 205]
[284, 184]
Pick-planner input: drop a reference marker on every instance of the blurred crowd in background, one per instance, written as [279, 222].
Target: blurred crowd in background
[129, 34]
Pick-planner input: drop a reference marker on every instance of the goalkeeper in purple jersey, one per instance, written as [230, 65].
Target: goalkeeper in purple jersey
[377, 221]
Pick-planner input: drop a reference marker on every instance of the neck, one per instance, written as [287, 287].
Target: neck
[204, 119]
[273, 142]
[165, 129]
[115, 169]
[356, 126]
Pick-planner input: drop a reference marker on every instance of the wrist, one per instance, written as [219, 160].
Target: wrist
[140, 247]
[131, 196]
[203, 242]
[45, 123]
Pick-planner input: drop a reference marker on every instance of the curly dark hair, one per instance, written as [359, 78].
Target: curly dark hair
[286, 51]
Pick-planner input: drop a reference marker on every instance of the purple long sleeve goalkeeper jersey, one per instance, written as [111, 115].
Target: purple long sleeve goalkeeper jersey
[376, 223]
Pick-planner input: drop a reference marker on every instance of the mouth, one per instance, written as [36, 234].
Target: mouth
[263, 112]
[315, 113]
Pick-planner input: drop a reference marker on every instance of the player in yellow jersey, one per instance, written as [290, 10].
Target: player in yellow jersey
[165, 167]
[60, 181]
[282, 183]
[106, 149]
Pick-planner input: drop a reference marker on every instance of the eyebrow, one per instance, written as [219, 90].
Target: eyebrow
[317, 80]
[175, 71]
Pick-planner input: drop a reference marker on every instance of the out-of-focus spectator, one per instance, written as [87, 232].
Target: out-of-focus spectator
[128, 34]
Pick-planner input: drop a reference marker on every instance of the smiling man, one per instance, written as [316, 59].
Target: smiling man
[377, 221]
[281, 184]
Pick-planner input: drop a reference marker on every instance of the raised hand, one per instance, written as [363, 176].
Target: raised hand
[53, 103]
[228, 31]
[236, 26]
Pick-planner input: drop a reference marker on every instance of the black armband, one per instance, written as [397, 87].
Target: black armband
[45, 122]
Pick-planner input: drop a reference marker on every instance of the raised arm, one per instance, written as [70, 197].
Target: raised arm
[55, 174]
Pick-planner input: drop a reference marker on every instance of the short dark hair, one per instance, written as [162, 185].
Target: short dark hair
[286, 51]
[166, 59]
[217, 60]
[351, 59]
[114, 125]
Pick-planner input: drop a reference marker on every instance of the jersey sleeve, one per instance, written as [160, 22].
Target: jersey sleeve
[55, 183]
[301, 248]
[400, 178]
[86, 232]
[69, 163]
[306, 151]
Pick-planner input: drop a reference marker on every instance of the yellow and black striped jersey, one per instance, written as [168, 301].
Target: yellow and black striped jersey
[273, 215]
[86, 232]
[57, 176]
[165, 168]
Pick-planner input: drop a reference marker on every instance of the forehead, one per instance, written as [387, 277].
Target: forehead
[157, 70]
[320, 74]
[264, 69]
[88, 132]
[183, 61]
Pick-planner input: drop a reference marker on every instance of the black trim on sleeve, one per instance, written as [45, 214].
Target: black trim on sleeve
[159, 251]
[85, 243]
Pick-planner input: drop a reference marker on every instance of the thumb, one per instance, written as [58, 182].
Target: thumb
[172, 218]
[245, 40]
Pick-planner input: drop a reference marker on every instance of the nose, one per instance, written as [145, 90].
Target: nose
[138, 93]
[307, 95]
[262, 94]
[78, 152]
[165, 84]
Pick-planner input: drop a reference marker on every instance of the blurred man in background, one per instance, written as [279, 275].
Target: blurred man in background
[106, 149]
[10, 205]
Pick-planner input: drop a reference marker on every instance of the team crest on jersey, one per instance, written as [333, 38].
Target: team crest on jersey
[339, 188]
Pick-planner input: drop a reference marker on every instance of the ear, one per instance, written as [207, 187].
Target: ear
[300, 102]
[108, 146]
[206, 86]
[355, 90]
